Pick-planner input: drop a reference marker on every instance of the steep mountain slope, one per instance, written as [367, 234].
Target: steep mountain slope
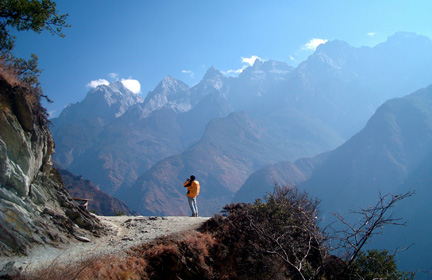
[98, 201]
[396, 140]
[231, 149]
[169, 93]
[35, 206]
[115, 152]
[284, 173]
[78, 126]
[395, 144]
[218, 166]
[257, 88]
[343, 85]
[129, 146]
[392, 154]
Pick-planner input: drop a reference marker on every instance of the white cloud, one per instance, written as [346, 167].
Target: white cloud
[250, 60]
[132, 85]
[371, 33]
[188, 72]
[113, 76]
[233, 72]
[314, 43]
[97, 83]
[247, 61]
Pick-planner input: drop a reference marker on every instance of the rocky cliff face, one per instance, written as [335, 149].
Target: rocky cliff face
[35, 207]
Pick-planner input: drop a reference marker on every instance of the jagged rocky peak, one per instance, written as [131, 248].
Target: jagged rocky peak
[332, 46]
[213, 79]
[104, 101]
[276, 66]
[261, 69]
[115, 87]
[212, 74]
[330, 57]
[113, 93]
[170, 93]
[334, 53]
[169, 86]
[36, 207]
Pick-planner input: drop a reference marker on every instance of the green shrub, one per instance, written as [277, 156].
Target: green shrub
[377, 264]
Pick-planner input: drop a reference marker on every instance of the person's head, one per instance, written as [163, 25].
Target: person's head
[192, 177]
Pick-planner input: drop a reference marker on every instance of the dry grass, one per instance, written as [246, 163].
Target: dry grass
[201, 244]
[13, 85]
[9, 75]
[96, 267]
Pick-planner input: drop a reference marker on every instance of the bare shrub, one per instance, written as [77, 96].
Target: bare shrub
[274, 238]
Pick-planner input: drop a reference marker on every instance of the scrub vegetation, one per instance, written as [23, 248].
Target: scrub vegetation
[24, 15]
[277, 237]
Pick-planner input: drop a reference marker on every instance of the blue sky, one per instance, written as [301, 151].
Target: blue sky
[142, 41]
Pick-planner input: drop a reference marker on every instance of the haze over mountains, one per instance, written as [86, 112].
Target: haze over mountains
[225, 128]
[392, 154]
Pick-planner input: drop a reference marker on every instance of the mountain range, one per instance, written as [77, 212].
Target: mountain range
[392, 154]
[98, 201]
[225, 128]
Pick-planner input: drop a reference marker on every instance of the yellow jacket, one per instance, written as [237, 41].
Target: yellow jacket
[193, 189]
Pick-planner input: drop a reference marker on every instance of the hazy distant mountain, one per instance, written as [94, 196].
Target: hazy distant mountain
[128, 146]
[146, 133]
[170, 93]
[395, 144]
[284, 173]
[104, 102]
[343, 85]
[99, 202]
[78, 125]
[392, 154]
[230, 150]
[294, 113]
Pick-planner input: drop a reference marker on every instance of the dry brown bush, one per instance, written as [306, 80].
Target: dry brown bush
[12, 85]
[174, 258]
[9, 75]
[96, 267]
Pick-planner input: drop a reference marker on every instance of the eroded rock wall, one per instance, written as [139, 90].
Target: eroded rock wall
[35, 207]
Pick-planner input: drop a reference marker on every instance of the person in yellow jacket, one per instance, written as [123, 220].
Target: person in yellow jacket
[193, 189]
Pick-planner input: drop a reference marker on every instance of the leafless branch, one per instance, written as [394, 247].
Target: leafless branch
[353, 237]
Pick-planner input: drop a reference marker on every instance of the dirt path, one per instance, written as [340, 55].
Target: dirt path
[123, 232]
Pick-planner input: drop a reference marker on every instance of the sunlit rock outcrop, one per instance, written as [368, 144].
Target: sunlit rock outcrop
[35, 208]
